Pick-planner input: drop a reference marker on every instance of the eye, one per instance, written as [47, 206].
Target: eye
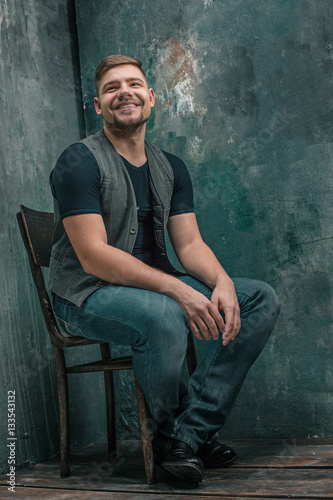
[109, 88]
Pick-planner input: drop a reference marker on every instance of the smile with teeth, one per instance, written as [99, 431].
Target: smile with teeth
[125, 106]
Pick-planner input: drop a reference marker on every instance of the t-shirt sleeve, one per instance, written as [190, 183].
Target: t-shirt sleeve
[182, 197]
[75, 182]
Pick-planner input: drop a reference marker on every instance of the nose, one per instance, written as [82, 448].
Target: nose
[124, 91]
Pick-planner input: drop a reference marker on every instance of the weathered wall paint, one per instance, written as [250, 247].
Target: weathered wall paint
[40, 114]
[244, 96]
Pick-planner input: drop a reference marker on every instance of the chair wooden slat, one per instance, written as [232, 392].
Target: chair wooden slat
[39, 228]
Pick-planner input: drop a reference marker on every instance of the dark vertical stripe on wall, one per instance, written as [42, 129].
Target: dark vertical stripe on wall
[71, 9]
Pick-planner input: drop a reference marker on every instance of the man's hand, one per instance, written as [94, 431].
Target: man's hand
[204, 315]
[224, 298]
[201, 313]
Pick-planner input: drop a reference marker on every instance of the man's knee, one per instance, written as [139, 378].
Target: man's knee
[259, 305]
[256, 294]
[265, 294]
[264, 308]
[269, 301]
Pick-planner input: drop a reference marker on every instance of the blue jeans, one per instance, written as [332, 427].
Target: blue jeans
[156, 328]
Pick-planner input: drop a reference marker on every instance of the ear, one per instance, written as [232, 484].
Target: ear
[152, 98]
[97, 106]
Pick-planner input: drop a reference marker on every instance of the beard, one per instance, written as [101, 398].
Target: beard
[126, 125]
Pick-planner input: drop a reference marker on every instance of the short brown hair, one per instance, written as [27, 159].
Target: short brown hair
[112, 61]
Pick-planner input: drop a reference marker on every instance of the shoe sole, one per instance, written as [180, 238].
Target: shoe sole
[184, 471]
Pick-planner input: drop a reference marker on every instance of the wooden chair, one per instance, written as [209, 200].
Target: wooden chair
[36, 229]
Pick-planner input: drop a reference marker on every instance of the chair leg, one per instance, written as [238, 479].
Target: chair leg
[63, 410]
[110, 406]
[191, 356]
[147, 446]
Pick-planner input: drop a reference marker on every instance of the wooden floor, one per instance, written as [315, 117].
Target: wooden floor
[265, 469]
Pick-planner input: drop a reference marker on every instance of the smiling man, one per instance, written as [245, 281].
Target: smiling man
[119, 114]
[115, 196]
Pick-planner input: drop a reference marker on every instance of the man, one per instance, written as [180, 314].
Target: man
[111, 279]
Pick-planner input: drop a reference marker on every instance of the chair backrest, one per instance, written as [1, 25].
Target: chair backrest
[36, 229]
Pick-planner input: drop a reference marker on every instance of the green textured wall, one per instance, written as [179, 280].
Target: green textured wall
[244, 96]
[40, 113]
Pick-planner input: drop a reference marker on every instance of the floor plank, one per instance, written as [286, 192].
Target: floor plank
[48, 494]
[233, 481]
[265, 469]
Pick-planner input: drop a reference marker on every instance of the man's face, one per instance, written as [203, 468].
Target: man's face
[124, 101]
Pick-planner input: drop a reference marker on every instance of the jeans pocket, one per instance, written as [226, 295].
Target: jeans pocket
[70, 329]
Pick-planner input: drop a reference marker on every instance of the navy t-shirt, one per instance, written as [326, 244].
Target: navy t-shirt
[75, 183]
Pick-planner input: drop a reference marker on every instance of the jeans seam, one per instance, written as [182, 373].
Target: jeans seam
[184, 413]
[122, 322]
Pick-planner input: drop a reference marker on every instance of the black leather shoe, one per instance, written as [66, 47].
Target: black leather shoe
[216, 455]
[177, 458]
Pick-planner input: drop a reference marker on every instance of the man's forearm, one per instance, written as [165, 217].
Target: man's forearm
[118, 267]
[199, 261]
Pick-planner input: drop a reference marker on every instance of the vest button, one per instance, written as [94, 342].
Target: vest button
[99, 283]
[132, 230]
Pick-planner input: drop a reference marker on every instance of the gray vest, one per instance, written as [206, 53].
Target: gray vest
[119, 211]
